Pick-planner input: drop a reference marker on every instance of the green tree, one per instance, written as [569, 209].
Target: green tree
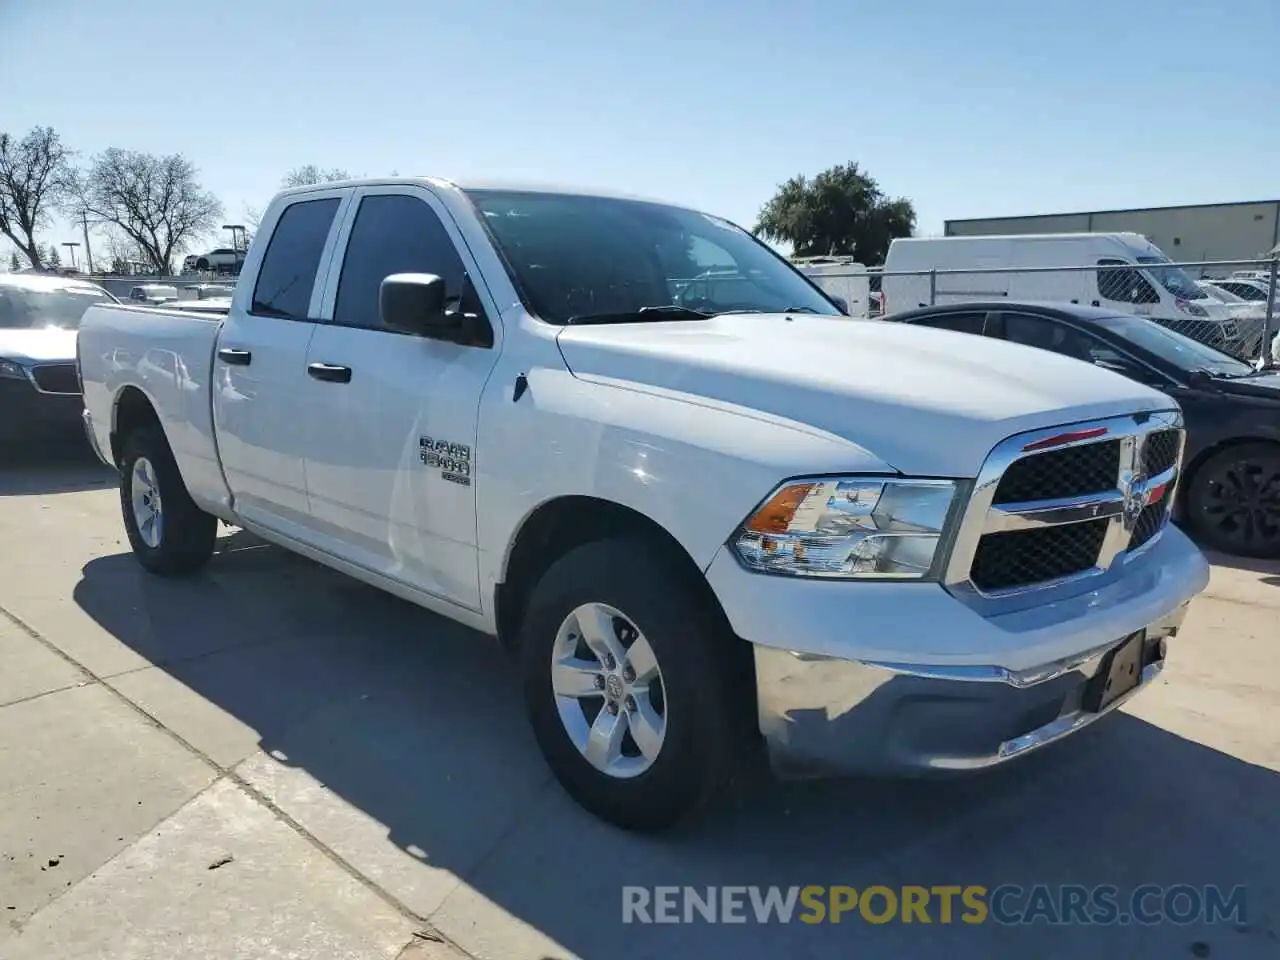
[53, 261]
[15, 262]
[840, 212]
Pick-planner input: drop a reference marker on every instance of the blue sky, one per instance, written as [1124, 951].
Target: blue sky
[977, 108]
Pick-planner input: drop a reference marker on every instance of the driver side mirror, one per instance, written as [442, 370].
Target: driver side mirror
[415, 303]
[841, 304]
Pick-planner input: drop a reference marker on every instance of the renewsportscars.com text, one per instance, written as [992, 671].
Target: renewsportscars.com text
[1009, 904]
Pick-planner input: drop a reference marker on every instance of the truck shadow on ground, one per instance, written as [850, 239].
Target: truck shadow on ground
[415, 723]
[27, 469]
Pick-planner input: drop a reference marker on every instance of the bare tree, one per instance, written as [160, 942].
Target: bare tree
[309, 173]
[155, 201]
[123, 252]
[35, 173]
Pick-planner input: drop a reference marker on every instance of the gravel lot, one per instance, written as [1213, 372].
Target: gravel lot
[273, 760]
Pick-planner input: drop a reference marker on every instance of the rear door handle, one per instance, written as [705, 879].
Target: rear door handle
[235, 357]
[330, 372]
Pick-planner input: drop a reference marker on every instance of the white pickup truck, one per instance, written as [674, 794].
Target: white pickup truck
[637, 446]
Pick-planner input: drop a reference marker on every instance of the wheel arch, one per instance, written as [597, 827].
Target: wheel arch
[560, 524]
[132, 409]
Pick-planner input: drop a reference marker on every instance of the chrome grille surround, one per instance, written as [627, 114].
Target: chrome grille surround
[1120, 507]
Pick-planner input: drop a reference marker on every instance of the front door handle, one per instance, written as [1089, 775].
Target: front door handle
[235, 357]
[330, 372]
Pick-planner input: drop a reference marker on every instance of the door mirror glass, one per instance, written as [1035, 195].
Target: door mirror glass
[415, 303]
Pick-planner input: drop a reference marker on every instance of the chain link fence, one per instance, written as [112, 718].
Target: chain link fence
[1231, 305]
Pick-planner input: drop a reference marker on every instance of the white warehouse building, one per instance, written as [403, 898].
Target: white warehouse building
[1211, 231]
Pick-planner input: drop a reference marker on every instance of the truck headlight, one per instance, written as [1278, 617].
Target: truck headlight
[12, 369]
[850, 527]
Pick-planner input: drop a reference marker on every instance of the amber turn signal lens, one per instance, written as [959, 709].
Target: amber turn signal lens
[775, 516]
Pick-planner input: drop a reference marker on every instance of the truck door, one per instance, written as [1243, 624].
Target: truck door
[259, 368]
[391, 416]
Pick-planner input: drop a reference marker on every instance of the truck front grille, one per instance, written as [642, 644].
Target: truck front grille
[1054, 505]
[1071, 472]
[1160, 451]
[1006, 560]
[56, 378]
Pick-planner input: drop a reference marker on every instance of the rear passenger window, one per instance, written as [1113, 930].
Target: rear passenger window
[395, 233]
[960, 322]
[1047, 335]
[292, 260]
[1119, 281]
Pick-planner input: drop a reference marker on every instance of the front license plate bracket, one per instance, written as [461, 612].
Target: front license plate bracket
[1119, 673]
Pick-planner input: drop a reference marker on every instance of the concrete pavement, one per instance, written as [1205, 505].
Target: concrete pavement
[273, 760]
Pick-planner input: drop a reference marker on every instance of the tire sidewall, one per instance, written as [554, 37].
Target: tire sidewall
[700, 714]
[141, 444]
[1197, 493]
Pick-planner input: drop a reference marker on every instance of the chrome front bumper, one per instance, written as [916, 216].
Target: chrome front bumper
[823, 716]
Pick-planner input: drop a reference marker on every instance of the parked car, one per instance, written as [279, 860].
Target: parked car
[222, 260]
[39, 387]
[1231, 478]
[1246, 288]
[697, 522]
[1128, 273]
[153, 294]
[1250, 316]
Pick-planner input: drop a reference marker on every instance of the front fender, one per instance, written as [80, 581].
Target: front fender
[694, 467]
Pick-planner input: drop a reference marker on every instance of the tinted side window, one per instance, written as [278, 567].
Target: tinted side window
[289, 268]
[1120, 282]
[961, 322]
[395, 234]
[1047, 335]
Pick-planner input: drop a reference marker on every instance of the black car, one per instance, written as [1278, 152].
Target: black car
[1230, 484]
[39, 386]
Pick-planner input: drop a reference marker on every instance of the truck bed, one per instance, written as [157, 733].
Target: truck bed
[167, 354]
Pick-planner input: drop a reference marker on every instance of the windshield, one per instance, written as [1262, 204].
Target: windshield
[577, 257]
[1182, 352]
[1173, 279]
[22, 307]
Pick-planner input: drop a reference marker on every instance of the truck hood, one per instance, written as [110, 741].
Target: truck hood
[37, 344]
[926, 402]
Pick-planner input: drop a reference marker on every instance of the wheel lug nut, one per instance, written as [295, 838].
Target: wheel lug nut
[612, 706]
[609, 661]
[628, 674]
[631, 703]
[599, 682]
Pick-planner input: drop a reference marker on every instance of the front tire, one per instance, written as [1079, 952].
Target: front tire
[638, 695]
[169, 534]
[1233, 500]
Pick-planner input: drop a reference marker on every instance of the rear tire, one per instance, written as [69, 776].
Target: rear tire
[681, 686]
[1233, 501]
[169, 534]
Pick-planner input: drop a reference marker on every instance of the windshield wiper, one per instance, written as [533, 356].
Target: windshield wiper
[725, 313]
[669, 311]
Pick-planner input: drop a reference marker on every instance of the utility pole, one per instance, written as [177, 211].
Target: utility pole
[88, 251]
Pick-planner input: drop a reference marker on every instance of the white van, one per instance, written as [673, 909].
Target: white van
[1129, 274]
[842, 278]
